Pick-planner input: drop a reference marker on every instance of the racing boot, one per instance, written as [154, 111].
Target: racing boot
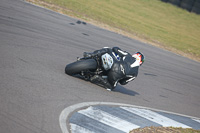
[95, 53]
[87, 55]
[96, 79]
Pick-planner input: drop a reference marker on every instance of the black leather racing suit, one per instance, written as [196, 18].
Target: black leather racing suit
[123, 70]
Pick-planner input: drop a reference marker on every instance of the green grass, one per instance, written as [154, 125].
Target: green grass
[164, 130]
[169, 26]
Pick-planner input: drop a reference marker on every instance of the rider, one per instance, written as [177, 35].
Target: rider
[124, 69]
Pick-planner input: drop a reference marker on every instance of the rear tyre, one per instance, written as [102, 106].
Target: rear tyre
[82, 65]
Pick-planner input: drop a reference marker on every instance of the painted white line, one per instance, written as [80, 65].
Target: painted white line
[68, 110]
[155, 117]
[108, 119]
[197, 120]
[78, 129]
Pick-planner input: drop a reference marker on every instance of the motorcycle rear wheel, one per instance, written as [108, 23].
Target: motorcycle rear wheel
[82, 65]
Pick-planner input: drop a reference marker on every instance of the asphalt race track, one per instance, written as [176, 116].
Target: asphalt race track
[35, 46]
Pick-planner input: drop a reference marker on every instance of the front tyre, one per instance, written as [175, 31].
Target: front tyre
[82, 65]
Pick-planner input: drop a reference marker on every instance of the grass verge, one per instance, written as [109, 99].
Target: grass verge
[164, 130]
[152, 21]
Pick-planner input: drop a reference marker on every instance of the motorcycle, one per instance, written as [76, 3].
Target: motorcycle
[88, 67]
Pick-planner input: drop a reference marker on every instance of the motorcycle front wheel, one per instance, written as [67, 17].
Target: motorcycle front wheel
[82, 65]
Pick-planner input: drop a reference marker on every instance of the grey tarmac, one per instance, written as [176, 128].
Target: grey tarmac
[35, 46]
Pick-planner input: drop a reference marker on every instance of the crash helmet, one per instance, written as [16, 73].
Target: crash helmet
[139, 57]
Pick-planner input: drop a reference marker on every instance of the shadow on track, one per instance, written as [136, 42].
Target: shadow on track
[119, 88]
[126, 91]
